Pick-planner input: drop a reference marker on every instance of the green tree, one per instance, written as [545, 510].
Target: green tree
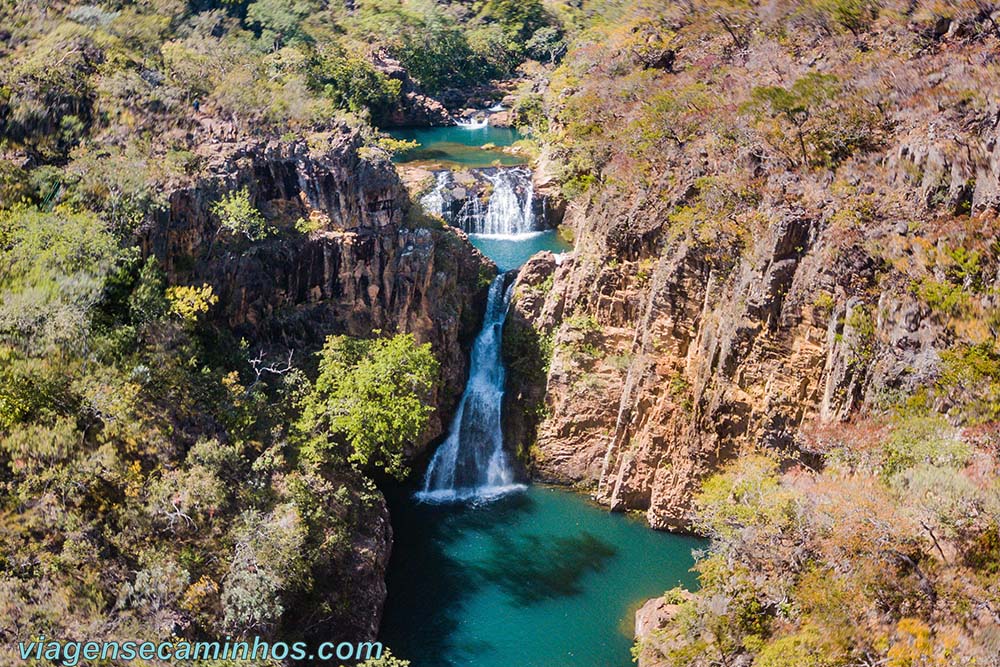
[427, 41]
[519, 18]
[147, 302]
[267, 560]
[828, 120]
[371, 395]
[280, 21]
[797, 103]
[52, 271]
[238, 216]
[854, 15]
[546, 44]
[352, 83]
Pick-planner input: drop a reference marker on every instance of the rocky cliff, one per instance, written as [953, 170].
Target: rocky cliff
[345, 256]
[720, 298]
[662, 366]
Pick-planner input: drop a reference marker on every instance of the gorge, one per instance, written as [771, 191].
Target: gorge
[487, 570]
[450, 323]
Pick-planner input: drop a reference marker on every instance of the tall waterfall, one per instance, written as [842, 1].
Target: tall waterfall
[471, 463]
[508, 211]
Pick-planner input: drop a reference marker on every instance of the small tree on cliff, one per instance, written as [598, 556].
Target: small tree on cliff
[238, 216]
[372, 396]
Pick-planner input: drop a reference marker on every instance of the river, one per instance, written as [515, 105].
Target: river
[487, 570]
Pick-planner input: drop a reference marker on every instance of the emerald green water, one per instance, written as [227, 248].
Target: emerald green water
[535, 578]
[540, 578]
[459, 146]
[510, 252]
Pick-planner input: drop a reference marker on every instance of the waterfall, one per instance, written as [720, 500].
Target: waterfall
[477, 122]
[508, 212]
[510, 207]
[471, 463]
[433, 201]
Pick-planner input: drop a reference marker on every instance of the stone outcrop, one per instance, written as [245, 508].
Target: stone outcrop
[358, 266]
[342, 258]
[666, 362]
[653, 616]
[414, 108]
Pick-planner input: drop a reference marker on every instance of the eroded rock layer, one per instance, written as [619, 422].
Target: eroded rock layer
[341, 258]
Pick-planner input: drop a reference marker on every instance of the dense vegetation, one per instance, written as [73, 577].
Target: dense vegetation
[888, 555]
[121, 69]
[158, 476]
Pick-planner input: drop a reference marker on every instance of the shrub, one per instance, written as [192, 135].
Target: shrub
[826, 120]
[267, 559]
[970, 379]
[189, 302]
[923, 439]
[372, 395]
[943, 297]
[239, 217]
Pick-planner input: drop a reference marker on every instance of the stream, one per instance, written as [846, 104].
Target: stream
[486, 569]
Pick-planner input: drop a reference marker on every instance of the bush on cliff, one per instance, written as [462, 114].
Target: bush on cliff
[876, 557]
[372, 395]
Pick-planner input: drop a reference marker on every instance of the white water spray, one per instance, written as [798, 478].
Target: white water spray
[471, 464]
[474, 123]
[507, 213]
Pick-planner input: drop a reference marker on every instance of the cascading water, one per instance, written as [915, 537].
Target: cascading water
[542, 567]
[433, 201]
[508, 212]
[471, 463]
[510, 207]
[477, 122]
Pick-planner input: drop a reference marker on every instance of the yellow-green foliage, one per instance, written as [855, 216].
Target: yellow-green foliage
[970, 376]
[372, 396]
[189, 302]
[238, 216]
[151, 474]
[877, 554]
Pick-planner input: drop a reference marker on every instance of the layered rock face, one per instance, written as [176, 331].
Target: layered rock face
[666, 362]
[342, 259]
[353, 266]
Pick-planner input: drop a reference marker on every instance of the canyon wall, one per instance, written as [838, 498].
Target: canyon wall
[344, 257]
[668, 355]
[357, 262]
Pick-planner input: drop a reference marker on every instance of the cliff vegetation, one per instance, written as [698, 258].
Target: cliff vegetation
[785, 280]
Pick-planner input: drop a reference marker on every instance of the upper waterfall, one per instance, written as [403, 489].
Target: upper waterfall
[508, 209]
[475, 123]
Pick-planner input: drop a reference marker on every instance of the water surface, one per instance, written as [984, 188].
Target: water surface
[540, 578]
[510, 252]
[459, 146]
